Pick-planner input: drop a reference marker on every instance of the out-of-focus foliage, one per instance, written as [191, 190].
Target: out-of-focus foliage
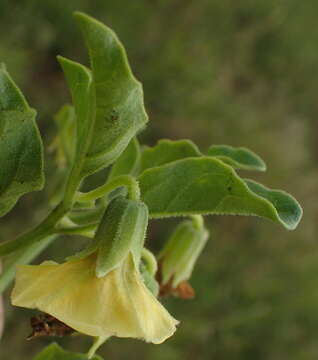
[55, 352]
[235, 72]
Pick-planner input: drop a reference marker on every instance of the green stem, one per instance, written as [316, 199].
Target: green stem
[97, 342]
[86, 217]
[76, 174]
[45, 228]
[85, 230]
[198, 221]
[125, 180]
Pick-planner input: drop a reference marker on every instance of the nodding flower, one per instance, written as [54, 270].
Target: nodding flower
[100, 293]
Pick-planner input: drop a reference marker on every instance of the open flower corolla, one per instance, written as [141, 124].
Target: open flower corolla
[100, 292]
[118, 304]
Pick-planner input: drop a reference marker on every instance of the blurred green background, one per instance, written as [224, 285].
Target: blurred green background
[234, 72]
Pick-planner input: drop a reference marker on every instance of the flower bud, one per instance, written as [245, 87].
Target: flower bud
[121, 231]
[178, 257]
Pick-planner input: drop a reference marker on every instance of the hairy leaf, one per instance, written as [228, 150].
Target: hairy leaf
[21, 153]
[287, 207]
[80, 80]
[55, 352]
[120, 112]
[238, 158]
[166, 151]
[208, 186]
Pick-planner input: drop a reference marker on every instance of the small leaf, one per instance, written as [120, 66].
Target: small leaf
[55, 352]
[208, 186]
[128, 162]
[120, 112]
[79, 79]
[166, 151]
[65, 142]
[238, 158]
[21, 153]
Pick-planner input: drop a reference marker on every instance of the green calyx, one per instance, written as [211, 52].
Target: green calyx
[178, 257]
[121, 231]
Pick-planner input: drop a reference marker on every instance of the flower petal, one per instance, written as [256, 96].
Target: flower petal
[118, 304]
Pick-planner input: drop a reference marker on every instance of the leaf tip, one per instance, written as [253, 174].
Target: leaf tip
[83, 19]
[262, 165]
[292, 225]
[63, 60]
[60, 59]
[288, 210]
[79, 15]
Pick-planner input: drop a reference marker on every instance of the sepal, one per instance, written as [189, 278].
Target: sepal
[121, 230]
[179, 256]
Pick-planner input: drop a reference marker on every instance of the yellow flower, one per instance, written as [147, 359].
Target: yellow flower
[117, 304]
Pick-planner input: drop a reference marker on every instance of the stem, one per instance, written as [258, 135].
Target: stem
[86, 217]
[198, 221]
[75, 177]
[85, 230]
[45, 228]
[98, 341]
[125, 180]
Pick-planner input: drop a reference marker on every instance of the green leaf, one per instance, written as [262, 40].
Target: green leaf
[80, 80]
[55, 352]
[128, 162]
[120, 112]
[208, 186]
[65, 142]
[238, 158]
[21, 153]
[289, 210]
[166, 151]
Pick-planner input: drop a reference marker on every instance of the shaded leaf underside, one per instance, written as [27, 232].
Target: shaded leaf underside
[208, 186]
